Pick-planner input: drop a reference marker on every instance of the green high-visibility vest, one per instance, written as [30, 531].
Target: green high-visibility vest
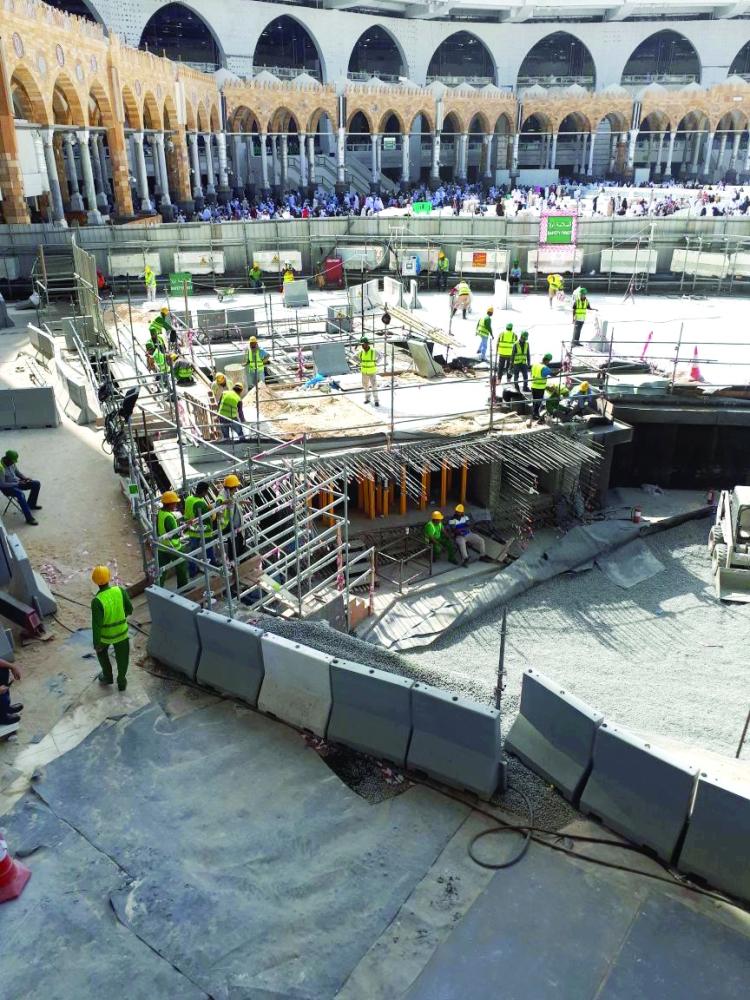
[367, 363]
[255, 273]
[505, 343]
[538, 381]
[443, 264]
[156, 337]
[162, 528]
[521, 357]
[581, 308]
[115, 626]
[195, 507]
[150, 278]
[184, 370]
[463, 289]
[160, 361]
[254, 360]
[229, 404]
[484, 327]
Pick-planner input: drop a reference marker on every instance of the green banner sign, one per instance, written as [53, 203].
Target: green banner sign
[559, 229]
[180, 282]
[421, 208]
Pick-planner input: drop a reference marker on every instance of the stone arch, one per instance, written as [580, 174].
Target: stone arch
[734, 120]
[503, 148]
[27, 96]
[151, 114]
[282, 120]
[385, 120]
[503, 124]
[536, 122]
[66, 104]
[169, 114]
[182, 34]
[243, 119]
[313, 122]
[458, 52]
[655, 121]
[374, 37]
[189, 117]
[557, 59]
[740, 65]
[453, 124]
[358, 117]
[99, 108]
[132, 111]
[662, 56]
[427, 119]
[213, 119]
[694, 120]
[202, 118]
[283, 43]
[615, 119]
[573, 121]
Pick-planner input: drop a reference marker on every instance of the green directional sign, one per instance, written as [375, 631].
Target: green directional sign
[421, 207]
[180, 282]
[559, 229]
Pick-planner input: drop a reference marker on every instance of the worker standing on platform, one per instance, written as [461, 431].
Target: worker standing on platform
[162, 323]
[442, 272]
[156, 336]
[109, 625]
[514, 277]
[368, 366]
[218, 386]
[231, 518]
[255, 362]
[437, 538]
[157, 362]
[540, 372]
[505, 344]
[581, 306]
[484, 332]
[288, 275]
[149, 279]
[198, 526]
[519, 361]
[230, 410]
[555, 284]
[460, 526]
[461, 298]
[166, 522]
[255, 277]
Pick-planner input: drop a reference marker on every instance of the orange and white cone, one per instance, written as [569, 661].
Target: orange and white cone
[695, 372]
[13, 875]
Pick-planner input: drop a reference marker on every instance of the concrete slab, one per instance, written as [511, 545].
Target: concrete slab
[297, 684]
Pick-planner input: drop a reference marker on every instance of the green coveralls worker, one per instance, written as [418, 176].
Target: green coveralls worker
[109, 612]
[436, 536]
[166, 522]
[443, 268]
[520, 363]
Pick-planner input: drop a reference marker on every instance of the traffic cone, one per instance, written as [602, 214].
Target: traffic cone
[695, 372]
[645, 346]
[13, 875]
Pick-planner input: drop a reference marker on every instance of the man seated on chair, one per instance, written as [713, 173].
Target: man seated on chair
[13, 483]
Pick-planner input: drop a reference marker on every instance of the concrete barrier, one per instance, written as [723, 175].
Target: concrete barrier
[717, 842]
[174, 639]
[35, 407]
[554, 734]
[7, 409]
[231, 656]
[638, 790]
[455, 741]
[297, 684]
[371, 710]
[26, 584]
[6, 566]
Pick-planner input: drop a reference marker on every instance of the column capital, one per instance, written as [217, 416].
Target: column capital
[69, 138]
[138, 137]
[48, 135]
[83, 135]
[158, 138]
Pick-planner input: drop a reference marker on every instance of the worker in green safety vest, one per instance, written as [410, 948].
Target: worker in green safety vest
[183, 371]
[540, 372]
[156, 336]
[149, 279]
[231, 415]
[368, 367]
[255, 362]
[109, 626]
[200, 529]
[581, 306]
[519, 361]
[255, 277]
[438, 539]
[166, 523]
[157, 362]
[484, 332]
[442, 271]
[460, 298]
[505, 344]
[231, 519]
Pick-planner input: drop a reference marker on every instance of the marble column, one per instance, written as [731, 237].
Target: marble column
[275, 160]
[311, 158]
[613, 141]
[590, 169]
[435, 165]
[88, 177]
[195, 161]
[633, 139]
[697, 136]
[514, 160]
[302, 137]
[659, 148]
[284, 162]
[76, 201]
[210, 176]
[707, 155]
[221, 146]
[341, 157]
[58, 212]
[264, 160]
[487, 156]
[238, 173]
[374, 175]
[101, 198]
[735, 151]
[405, 159]
[553, 153]
[140, 171]
[670, 154]
[101, 153]
[722, 152]
[746, 168]
[463, 156]
[161, 159]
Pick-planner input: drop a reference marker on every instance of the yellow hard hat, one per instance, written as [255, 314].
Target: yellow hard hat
[459, 508]
[170, 497]
[221, 378]
[584, 387]
[253, 340]
[437, 516]
[490, 310]
[231, 481]
[164, 311]
[441, 254]
[238, 387]
[100, 575]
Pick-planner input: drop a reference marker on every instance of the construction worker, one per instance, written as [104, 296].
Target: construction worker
[166, 522]
[582, 398]
[183, 370]
[156, 336]
[519, 361]
[109, 625]
[554, 396]
[288, 275]
[230, 409]
[198, 526]
[437, 538]
[162, 323]
[514, 277]
[460, 526]
[218, 386]
[581, 306]
[540, 372]
[149, 279]
[255, 277]
[255, 362]
[484, 332]
[368, 366]
[555, 284]
[156, 361]
[231, 518]
[461, 298]
[442, 272]
[505, 344]
[14, 484]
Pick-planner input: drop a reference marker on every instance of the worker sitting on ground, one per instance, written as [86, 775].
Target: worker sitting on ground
[554, 395]
[230, 412]
[149, 279]
[109, 626]
[581, 306]
[555, 284]
[514, 277]
[200, 529]
[218, 386]
[255, 277]
[460, 527]
[255, 362]
[437, 538]
[484, 332]
[461, 298]
[582, 399]
[519, 361]
[505, 344]
[368, 366]
[166, 523]
[442, 272]
[540, 372]
[14, 484]
[10, 714]
[183, 370]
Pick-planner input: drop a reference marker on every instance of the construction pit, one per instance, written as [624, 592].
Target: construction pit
[297, 866]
